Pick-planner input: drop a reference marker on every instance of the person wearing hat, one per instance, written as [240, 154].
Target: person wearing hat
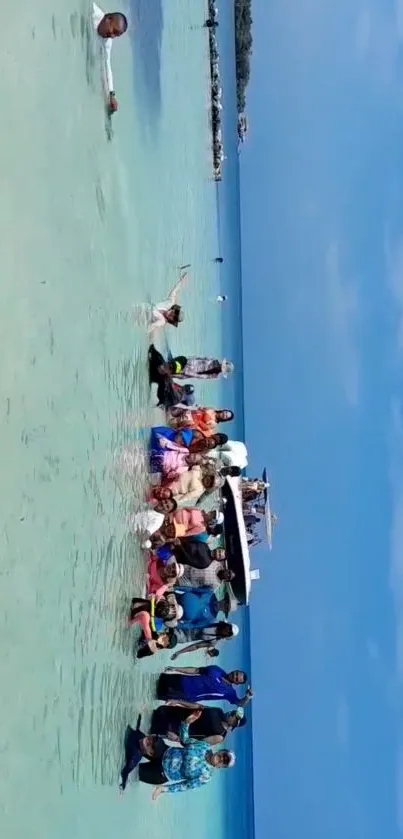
[198, 367]
[211, 727]
[168, 312]
[185, 767]
[199, 684]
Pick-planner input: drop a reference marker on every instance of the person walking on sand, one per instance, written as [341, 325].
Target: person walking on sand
[108, 26]
[168, 312]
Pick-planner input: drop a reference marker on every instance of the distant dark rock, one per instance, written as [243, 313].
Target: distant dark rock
[243, 48]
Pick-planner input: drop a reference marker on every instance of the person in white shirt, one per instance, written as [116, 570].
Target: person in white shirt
[148, 521]
[168, 312]
[108, 26]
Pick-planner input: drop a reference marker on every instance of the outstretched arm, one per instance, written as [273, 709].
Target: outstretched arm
[107, 47]
[183, 671]
[242, 703]
[181, 703]
[190, 648]
[173, 294]
[181, 786]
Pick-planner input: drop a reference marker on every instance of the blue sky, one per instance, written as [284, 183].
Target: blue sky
[322, 240]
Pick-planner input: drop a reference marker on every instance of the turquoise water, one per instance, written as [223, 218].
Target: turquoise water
[91, 224]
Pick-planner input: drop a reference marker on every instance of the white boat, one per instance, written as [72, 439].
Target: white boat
[236, 542]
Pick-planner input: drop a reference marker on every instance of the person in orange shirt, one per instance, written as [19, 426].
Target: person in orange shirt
[204, 420]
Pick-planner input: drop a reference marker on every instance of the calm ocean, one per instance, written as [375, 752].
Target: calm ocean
[91, 224]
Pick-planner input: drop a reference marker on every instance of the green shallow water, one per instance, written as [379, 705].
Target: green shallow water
[90, 226]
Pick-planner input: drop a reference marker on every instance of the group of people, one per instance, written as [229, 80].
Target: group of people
[187, 602]
[178, 752]
[216, 93]
[186, 576]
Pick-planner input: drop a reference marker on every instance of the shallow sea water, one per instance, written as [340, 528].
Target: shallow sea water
[92, 222]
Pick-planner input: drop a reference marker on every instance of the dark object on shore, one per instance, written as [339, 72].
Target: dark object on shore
[211, 24]
[243, 49]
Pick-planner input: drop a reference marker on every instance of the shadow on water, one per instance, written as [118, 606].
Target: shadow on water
[146, 35]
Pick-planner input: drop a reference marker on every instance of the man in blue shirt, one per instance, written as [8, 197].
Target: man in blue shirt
[199, 684]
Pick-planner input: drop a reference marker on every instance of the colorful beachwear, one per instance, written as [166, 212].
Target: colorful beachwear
[186, 767]
[192, 520]
[202, 419]
[200, 606]
[201, 368]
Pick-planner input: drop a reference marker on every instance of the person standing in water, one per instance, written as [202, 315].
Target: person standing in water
[168, 312]
[212, 726]
[139, 745]
[186, 767]
[205, 368]
[199, 684]
[108, 26]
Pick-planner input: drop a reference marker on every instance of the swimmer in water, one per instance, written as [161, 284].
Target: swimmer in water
[221, 298]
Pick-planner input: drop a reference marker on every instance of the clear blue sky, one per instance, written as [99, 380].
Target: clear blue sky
[322, 238]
